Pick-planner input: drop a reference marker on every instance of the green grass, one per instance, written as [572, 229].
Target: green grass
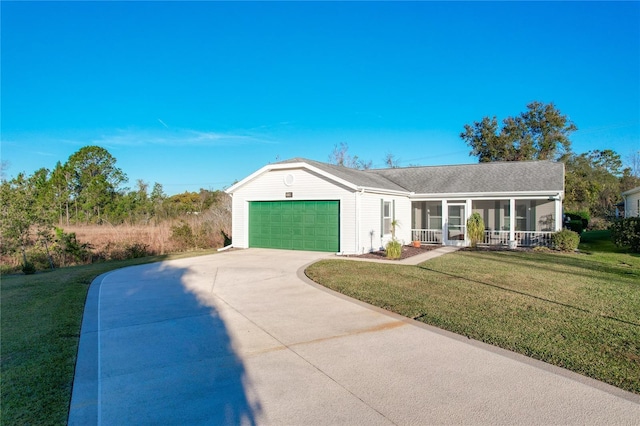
[578, 311]
[40, 324]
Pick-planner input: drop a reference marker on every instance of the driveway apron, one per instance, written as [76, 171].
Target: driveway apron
[242, 337]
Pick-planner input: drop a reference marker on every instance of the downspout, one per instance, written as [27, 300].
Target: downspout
[358, 219]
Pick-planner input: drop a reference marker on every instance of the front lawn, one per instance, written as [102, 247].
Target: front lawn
[578, 311]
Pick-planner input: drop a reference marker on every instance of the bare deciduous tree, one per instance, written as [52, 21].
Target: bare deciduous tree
[340, 156]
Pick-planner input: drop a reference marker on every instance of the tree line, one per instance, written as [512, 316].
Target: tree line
[594, 180]
[86, 189]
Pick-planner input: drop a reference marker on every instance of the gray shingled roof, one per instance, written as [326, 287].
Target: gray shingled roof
[481, 177]
[360, 178]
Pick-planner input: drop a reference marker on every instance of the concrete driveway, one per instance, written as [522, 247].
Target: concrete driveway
[242, 337]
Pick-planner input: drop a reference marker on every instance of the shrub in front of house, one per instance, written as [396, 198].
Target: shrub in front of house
[394, 249]
[475, 229]
[565, 240]
[626, 233]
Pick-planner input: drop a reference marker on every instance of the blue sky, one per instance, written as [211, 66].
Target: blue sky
[199, 95]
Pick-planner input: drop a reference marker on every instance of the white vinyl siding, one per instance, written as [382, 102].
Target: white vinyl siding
[632, 202]
[302, 185]
[370, 238]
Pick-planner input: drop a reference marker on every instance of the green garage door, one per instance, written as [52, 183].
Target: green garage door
[295, 225]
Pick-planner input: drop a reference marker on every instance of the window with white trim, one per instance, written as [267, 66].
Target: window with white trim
[386, 217]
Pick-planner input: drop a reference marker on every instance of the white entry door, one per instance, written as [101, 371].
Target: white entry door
[456, 229]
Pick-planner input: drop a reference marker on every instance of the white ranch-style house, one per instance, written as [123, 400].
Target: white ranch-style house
[308, 205]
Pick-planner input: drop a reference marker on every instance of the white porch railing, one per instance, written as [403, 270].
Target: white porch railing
[496, 238]
[524, 238]
[534, 238]
[493, 238]
[427, 236]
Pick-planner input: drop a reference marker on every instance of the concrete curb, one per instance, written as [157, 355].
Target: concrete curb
[413, 260]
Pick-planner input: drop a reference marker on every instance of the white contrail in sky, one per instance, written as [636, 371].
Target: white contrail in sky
[163, 123]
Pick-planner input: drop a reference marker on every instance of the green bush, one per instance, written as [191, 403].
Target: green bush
[576, 226]
[565, 240]
[394, 249]
[475, 229]
[598, 224]
[626, 232]
[182, 236]
[28, 268]
[69, 250]
[137, 250]
[38, 257]
[581, 215]
[227, 239]
[7, 269]
[123, 251]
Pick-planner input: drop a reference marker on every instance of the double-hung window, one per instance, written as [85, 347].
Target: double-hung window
[386, 217]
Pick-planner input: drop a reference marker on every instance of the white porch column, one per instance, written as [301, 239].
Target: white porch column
[558, 219]
[467, 214]
[512, 219]
[445, 222]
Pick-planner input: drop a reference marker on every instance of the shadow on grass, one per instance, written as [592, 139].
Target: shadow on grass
[521, 293]
[558, 262]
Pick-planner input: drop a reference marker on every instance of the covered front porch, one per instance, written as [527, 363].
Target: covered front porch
[508, 221]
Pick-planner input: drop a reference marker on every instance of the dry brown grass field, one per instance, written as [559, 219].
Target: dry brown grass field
[126, 241]
[103, 237]
[157, 239]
